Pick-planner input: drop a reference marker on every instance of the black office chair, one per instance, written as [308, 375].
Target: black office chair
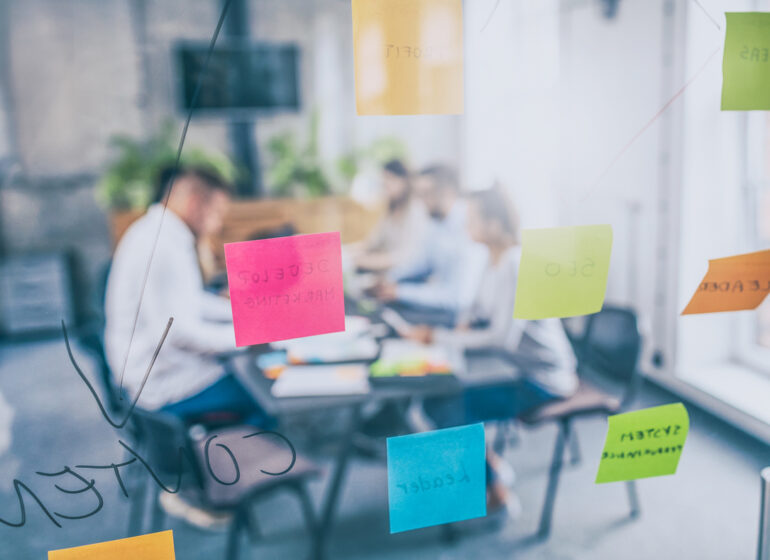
[164, 435]
[609, 345]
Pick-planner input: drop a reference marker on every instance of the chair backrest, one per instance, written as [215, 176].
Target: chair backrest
[162, 436]
[611, 345]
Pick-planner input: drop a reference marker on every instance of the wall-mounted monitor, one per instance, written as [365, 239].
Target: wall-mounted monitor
[241, 77]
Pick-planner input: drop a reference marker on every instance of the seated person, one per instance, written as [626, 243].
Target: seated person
[187, 378]
[444, 270]
[402, 227]
[540, 349]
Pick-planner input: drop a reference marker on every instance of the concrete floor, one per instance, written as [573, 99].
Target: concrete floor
[708, 510]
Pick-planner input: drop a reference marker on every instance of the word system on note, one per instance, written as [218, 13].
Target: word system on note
[408, 56]
[644, 443]
[732, 284]
[563, 271]
[436, 477]
[155, 546]
[746, 63]
[286, 287]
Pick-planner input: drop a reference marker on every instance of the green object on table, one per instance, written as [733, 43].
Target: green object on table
[746, 62]
[644, 443]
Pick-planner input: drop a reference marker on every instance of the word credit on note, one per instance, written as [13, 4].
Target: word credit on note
[436, 477]
[644, 443]
[746, 62]
[563, 271]
[287, 287]
[732, 283]
[155, 546]
[408, 56]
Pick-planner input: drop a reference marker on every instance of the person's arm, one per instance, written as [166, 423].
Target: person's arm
[184, 297]
[216, 308]
[419, 261]
[502, 331]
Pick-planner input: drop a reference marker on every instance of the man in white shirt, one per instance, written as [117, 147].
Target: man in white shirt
[447, 265]
[187, 378]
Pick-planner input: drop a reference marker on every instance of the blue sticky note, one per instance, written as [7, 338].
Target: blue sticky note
[436, 477]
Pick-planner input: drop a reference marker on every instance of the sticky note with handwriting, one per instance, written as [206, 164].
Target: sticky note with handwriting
[287, 287]
[563, 271]
[155, 546]
[746, 62]
[732, 284]
[436, 477]
[644, 443]
[408, 56]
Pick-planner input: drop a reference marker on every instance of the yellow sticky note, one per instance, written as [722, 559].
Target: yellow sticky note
[155, 546]
[746, 63]
[408, 56]
[563, 271]
[644, 443]
[732, 284]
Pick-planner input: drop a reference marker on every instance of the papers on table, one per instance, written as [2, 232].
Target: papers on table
[354, 344]
[314, 381]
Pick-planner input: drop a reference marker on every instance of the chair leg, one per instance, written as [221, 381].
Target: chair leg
[574, 448]
[309, 514]
[553, 479]
[233, 535]
[158, 516]
[633, 498]
[252, 524]
[138, 499]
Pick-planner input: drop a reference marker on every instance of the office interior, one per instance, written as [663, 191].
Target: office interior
[586, 111]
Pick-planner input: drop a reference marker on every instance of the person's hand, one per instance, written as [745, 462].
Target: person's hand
[385, 291]
[421, 333]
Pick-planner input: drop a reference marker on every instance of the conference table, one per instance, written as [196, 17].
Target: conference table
[477, 369]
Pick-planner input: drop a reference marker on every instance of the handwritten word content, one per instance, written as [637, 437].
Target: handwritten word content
[563, 271]
[155, 546]
[734, 283]
[746, 62]
[644, 443]
[225, 443]
[288, 287]
[436, 477]
[408, 57]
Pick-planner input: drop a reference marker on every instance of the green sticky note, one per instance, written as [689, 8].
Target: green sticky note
[563, 271]
[746, 63]
[644, 443]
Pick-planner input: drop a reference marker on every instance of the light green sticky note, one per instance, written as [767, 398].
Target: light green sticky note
[563, 271]
[746, 63]
[644, 443]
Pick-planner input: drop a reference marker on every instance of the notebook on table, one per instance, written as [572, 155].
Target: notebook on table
[318, 381]
[405, 360]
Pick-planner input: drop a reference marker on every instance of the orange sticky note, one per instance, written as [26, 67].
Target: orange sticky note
[732, 284]
[408, 56]
[155, 546]
[287, 287]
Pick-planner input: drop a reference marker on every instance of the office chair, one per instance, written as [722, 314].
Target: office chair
[609, 345]
[164, 435]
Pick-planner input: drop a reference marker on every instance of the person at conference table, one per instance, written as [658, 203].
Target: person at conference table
[402, 227]
[539, 349]
[187, 379]
[443, 271]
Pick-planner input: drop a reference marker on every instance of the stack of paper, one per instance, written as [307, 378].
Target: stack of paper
[313, 381]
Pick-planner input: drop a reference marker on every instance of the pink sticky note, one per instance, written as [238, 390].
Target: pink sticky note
[286, 287]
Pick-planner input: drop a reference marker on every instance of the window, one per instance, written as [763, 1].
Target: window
[754, 338]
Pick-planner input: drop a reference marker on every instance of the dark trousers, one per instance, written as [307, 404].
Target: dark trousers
[226, 395]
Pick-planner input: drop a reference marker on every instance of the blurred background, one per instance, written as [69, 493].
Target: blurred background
[558, 96]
